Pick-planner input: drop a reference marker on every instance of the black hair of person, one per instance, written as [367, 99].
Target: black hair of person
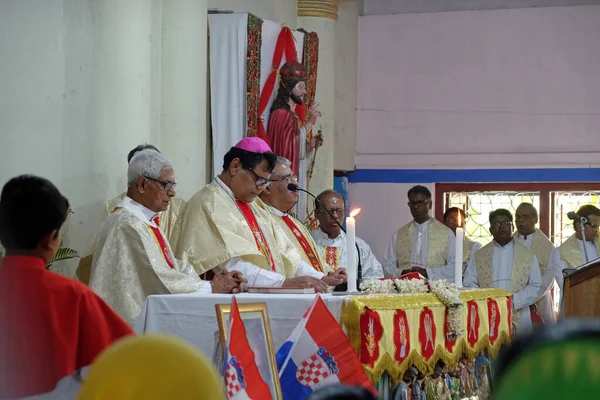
[30, 208]
[139, 148]
[248, 159]
[452, 210]
[341, 392]
[500, 212]
[419, 189]
[587, 210]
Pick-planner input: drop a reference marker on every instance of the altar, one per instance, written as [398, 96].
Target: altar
[388, 332]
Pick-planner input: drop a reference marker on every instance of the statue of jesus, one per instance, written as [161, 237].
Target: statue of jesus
[289, 136]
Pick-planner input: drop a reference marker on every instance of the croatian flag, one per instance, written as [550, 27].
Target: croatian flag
[318, 354]
[242, 379]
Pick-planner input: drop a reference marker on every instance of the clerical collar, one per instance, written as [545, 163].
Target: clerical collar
[142, 212]
[325, 235]
[524, 237]
[276, 211]
[511, 243]
[224, 187]
[418, 225]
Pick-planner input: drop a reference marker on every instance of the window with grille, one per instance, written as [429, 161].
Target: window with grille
[552, 200]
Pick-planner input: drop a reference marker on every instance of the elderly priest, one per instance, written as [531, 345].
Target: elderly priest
[296, 245]
[132, 257]
[332, 240]
[225, 226]
[507, 264]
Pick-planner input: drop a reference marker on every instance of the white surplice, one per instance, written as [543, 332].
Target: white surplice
[370, 267]
[502, 265]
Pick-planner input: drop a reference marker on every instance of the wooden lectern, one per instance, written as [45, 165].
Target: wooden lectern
[582, 291]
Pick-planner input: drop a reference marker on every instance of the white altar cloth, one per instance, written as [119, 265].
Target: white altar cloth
[193, 317]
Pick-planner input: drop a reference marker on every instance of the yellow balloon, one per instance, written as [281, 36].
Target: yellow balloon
[152, 367]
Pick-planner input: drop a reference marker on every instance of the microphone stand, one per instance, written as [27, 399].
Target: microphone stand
[582, 222]
[342, 287]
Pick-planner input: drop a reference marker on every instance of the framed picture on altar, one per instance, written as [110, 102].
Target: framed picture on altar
[258, 332]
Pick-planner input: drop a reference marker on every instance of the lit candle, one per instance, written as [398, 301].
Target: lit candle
[458, 275]
[351, 265]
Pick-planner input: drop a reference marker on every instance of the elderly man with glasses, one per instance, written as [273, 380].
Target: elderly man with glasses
[297, 247]
[331, 240]
[424, 245]
[507, 264]
[225, 225]
[132, 257]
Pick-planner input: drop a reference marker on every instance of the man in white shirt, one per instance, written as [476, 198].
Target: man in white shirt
[331, 240]
[507, 264]
[571, 253]
[424, 245]
[526, 217]
[132, 257]
[226, 225]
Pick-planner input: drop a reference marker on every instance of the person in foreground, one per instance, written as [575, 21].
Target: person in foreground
[424, 245]
[295, 243]
[50, 325]
[507, 264]
[526, 217]
[132, 257]
[332, 240]
[225, 226]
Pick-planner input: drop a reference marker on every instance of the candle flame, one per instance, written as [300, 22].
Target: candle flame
[354, 212]
[459, 221]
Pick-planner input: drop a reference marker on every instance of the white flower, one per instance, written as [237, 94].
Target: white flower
[411, 286]
[448, 294]
[378, 286]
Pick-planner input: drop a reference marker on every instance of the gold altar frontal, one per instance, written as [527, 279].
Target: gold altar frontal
[392, 332]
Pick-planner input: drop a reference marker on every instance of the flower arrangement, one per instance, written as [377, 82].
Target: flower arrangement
[447, 293]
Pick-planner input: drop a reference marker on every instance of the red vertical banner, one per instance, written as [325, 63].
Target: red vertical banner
[427, 333]
[449, 342]
[401, 336]
[510, 315]
[494, 319]
[473, 322]
[371, 332]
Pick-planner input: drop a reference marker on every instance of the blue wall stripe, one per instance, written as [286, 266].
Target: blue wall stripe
[474, 175]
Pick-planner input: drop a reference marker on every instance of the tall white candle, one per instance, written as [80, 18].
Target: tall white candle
[351, 253]
[458, 255]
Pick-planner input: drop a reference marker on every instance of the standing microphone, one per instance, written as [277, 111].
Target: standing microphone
[572, 215]
[295, 188]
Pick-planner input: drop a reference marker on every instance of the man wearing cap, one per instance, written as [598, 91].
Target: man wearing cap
[225, 226]
[290, 137]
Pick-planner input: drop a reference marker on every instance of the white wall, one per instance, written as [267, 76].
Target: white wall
[480, 89]
[80, 85]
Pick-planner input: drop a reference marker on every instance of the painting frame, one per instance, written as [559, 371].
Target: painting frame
[251, 312]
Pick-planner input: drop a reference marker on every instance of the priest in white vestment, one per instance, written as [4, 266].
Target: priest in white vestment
[331, 240]
[506, 264]
[132, 257]
[455, 217]
[526, 217]
[295, 243]
[424, 245]
[571, 254]
[226, 225]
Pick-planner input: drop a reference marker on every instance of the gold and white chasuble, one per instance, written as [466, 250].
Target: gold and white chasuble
[213, 233]
[430, 245]
[166, 219]
[130, 262]
[512, 267]
[542, 247]
[570, 255]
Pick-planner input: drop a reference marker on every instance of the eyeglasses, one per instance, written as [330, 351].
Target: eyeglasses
[591, 225]
[419, 203]
[259, 180]
[287, 179]
[332, 211]
[168, 186]
[498, 224]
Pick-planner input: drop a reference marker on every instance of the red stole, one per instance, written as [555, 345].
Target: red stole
[259, 237]
[308, 250]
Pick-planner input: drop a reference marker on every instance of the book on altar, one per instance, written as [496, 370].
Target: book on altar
[282, 290]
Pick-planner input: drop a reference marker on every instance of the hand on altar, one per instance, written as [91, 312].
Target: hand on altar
[306, 282]
[228, 282]
[335, 278]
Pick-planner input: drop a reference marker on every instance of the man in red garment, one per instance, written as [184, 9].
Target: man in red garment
[50, 325]
[288, 135]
